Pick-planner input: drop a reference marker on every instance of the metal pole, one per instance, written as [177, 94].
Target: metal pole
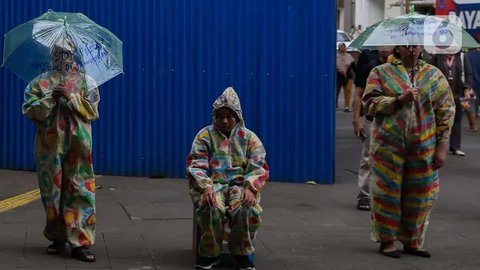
[407, 8]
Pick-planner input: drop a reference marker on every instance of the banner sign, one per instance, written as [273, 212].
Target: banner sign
[467, 10]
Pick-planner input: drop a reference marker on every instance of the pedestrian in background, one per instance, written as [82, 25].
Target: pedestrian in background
[411, 115]
[345, 70]
[367, 61]
[458, 72]
[352, 31]
[358, 31]
[474, 58]
[62, 105]
[227, 170]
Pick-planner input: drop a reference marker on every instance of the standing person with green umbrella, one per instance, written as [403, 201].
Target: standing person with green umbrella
[412, 109]
[409, 135]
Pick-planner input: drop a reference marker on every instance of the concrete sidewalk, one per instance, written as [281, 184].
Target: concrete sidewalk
[146, 223]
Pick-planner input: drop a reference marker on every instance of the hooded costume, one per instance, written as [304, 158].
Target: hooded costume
[404, 184]
[228, 165]
[63, 157]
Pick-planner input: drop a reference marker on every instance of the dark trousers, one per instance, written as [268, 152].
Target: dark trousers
[456, 135]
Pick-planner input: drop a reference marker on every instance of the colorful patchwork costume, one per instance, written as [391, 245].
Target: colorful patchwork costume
[403, 143]
[63, 154]
[228, 165]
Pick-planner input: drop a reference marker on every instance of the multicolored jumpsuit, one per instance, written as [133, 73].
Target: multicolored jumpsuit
[63, 154]
[404, 138]
[229, 165]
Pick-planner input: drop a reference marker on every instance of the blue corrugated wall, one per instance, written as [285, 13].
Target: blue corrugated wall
[178, 57]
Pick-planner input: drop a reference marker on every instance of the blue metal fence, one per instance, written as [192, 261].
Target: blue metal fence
[179, 56]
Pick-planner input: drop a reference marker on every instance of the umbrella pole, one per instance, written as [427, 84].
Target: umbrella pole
[412, 77]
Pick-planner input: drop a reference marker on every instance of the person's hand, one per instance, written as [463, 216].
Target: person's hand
[440, 156]
[208, 197]
[60, 91]
[358, 129]
[248, 198]
[469, 93]
[409, 95]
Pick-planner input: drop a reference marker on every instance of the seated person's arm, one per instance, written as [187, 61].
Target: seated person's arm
[256, 172]
[198, 165]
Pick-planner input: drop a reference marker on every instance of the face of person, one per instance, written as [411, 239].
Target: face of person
[62, 60]
[409, 52]
[342, 48]
[225, 120]
[384, 52]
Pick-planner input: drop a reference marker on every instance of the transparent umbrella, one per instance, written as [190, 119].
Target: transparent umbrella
[97, 52]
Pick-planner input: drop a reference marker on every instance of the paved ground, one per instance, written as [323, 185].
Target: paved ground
[146, 223]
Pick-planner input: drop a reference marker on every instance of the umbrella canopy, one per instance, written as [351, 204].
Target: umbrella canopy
[436, 34]
[28, 48]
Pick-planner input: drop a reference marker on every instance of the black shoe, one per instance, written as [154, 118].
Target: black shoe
[392, 254]
[57, 247]
[83, 253]
[207, 262]
[417, 252]
[244, 262]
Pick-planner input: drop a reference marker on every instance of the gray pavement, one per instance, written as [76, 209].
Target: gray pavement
[145, 223]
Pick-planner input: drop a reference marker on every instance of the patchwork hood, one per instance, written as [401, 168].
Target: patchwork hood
[228, 99]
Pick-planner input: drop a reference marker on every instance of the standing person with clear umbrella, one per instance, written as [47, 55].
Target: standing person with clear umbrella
[62, 105]
[64, 57]
[411, 108]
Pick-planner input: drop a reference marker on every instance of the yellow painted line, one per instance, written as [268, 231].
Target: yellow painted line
[19, 200]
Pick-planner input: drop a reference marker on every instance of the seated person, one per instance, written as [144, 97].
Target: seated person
[227, 169]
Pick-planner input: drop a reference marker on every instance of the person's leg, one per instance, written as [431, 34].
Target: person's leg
[472, 114]
[419, 193]
[363, 197]
[244, 222]
[456, 134]
[339, 87]
[79, 194]
[78, 199]
[210, 220]
[348, 92]
[472, 119]
[386, 184]
[50, 184]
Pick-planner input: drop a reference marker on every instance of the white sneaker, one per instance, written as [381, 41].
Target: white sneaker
[458, 153]
[207, 263]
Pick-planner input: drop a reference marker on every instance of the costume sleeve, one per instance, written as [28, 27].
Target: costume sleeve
[198, 166]
[374, 100]
[444, 108]
[86, 103]
[256, 172]
[37, 106]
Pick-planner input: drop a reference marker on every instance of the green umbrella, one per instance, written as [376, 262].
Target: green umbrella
[436, 34]
[97, 52]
